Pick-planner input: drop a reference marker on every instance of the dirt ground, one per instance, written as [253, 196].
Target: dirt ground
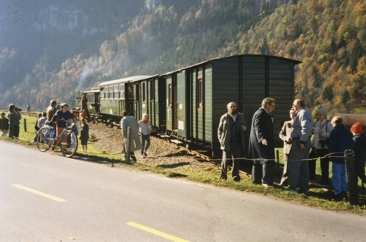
[161, 152]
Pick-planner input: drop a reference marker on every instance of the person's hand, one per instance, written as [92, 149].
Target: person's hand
[302, 146]
[289, 140]
[264, 142]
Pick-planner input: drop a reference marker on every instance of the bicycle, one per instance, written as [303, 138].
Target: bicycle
[46, 138]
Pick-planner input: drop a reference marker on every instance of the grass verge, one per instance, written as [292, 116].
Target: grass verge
[206, 173]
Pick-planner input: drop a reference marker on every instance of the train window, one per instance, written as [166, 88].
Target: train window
[200, 88]
[170, 94]
[152, 90]
[121, 91]
[143, 92]
[137, 93]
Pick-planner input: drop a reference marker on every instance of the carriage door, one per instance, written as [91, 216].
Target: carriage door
[175, 106]
[129, 100]
[171, 119]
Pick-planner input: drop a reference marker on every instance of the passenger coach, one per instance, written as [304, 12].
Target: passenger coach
[116, 97]
[187, 103]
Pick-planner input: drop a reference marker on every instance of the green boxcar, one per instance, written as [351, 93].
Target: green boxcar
[197, 95]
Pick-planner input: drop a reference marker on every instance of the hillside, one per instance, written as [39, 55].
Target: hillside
[150, 42]
[329, 36]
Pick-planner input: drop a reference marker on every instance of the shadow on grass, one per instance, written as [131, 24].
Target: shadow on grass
[175, 175]
[173, 165]
[98, 159]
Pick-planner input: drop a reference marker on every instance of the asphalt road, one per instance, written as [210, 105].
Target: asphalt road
[49, 198]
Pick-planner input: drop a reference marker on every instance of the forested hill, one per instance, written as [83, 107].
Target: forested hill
[155, 36]
[329, 37]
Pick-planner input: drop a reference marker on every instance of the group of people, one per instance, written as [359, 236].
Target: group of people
[135, 135]
[59, 116]
[305, 140]
[10, 122]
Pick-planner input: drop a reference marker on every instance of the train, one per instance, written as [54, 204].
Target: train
[187, 103]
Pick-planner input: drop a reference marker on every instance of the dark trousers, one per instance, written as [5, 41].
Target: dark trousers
[262, 172]
[324, 164]
[145, 143]
[14, 131]
[227, 157]
[298, 168]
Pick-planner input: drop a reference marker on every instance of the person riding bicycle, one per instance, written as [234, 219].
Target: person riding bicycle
[62, 118]
[51, 110]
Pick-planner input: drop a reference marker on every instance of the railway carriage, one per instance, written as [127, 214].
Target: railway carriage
[150, 99]
[187, 103]
[197, 95]
[117, 96]
[93, 97]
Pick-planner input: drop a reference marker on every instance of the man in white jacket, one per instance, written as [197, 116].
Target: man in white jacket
[131, 141]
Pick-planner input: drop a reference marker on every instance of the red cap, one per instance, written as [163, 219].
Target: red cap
[357, 128]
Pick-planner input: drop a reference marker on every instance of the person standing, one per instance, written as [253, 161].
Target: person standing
[359, 139]
[319, 146]
[51, 110]
[131, 141]
[261, 143]
[14, 117]
[62, 118]
[298, 164]
[145, 132]
[231, 136]
[84, 133]
[340, 140]
[36, 128]
[84, 106]
[286, 136]
[4, 125]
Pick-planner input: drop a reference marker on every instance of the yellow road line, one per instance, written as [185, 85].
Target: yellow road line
[156, 232]
[42, 194]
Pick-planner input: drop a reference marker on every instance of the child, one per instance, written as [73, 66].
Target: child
[4, 125]
[359, 139]
[84, 133]
[340, 140]
[145, 131]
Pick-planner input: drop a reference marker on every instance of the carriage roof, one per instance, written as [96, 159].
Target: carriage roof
[124, 80]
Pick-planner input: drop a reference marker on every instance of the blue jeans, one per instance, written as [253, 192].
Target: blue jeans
[339, 178]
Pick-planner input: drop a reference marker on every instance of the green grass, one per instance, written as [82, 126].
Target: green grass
[209, 175]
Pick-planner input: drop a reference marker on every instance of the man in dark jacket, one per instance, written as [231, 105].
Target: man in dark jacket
[261, 142]
[14, 117]
[340, 140]
[231, 135]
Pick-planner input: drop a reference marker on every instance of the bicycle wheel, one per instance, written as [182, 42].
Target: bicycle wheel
[43, 142]
[69, 149]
